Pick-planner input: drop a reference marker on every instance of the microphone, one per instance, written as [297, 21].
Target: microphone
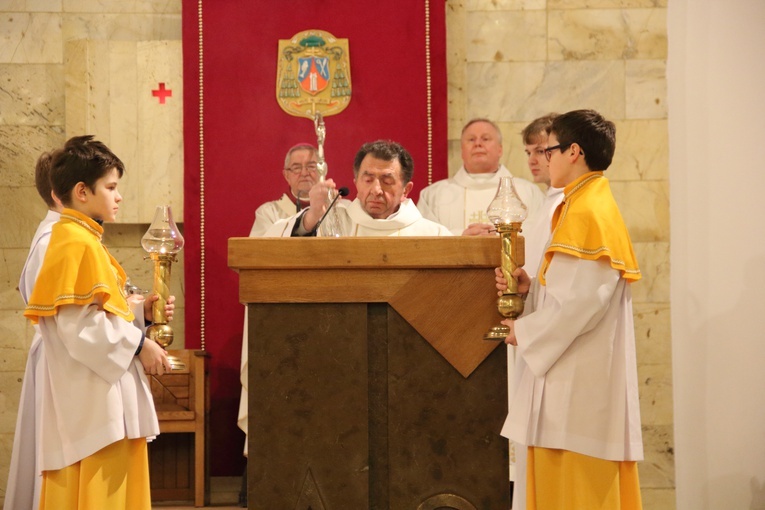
[342, 192]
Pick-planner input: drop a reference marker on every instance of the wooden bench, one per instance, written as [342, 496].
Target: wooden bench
[181, 399]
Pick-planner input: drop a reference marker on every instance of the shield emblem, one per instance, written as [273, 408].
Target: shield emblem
[313, 74]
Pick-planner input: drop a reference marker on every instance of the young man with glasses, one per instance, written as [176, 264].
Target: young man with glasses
[576, 403]
[300, 173]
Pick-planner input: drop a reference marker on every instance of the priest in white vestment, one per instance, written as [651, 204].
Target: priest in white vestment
[383, 173]
[383, 178]
[460, 201]
[300, 174]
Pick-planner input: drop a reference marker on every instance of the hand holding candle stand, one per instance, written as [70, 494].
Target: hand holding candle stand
[506, 211]
[162, 241]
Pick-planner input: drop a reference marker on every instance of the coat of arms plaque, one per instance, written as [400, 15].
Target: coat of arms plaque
[313, 74]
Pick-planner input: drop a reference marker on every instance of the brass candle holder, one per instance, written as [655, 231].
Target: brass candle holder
[507, 212]
[162, 241]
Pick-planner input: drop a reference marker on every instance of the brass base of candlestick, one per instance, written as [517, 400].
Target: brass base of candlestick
[163, 335]
[497, 333]
[511, 307]
[176, 363]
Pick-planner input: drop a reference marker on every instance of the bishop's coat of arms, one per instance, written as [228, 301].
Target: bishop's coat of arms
[313, 74]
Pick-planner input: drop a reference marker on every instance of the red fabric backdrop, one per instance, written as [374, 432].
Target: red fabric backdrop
[236, 140]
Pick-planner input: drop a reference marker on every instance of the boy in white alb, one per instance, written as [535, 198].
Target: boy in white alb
[576, 403]
[96, 408]
[24, 478]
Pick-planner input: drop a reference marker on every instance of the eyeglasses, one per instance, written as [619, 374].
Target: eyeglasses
[297, 168]
[560, 146]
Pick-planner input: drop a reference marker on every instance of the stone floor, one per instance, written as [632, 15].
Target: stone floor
[224, 495]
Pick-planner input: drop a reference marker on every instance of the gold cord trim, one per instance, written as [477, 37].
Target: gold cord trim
[429, 92]
[201, 182]
[84, 225]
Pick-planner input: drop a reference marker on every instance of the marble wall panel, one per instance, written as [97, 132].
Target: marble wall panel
[503, 91]
[498, 5]
[653, 338]
[514, 92]
[642, 152]
[30, 38]
[76, 80]
[20, 147]
[122, 91]
[655, 387]
[646, 89]
[30, 5]
[645, 208]
[657, 470]
[121, 27]
[121, 6]
[658, 499]
[22, 211]
[9, 401]
[160, 127]
[506, 36]
[455, 131]
[34, 94]
[456, 70]
[653, 260]
[607, 34]
[604, 4]
[86, 89]
[122, 235]
[11, 264]
[455, 156]
[16, 342]
[6, 447]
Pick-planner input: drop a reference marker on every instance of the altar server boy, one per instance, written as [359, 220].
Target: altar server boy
[96, 410]
[576, 404]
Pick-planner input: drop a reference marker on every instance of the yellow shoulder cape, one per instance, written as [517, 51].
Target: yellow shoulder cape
[588, 225]
[77, 268]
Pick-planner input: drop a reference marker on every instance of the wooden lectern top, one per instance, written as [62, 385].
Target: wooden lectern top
[443, 286]
[363, 252]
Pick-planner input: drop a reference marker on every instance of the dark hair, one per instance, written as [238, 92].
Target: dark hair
[591, 131]
[42, 177]
[386, 150]
[82, 159]
[537, 126]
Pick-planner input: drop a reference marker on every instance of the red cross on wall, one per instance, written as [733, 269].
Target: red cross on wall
[161, 93]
